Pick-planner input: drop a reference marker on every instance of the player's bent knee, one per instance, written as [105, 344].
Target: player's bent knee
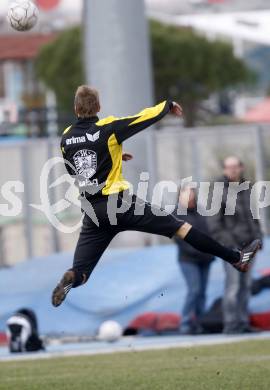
[184, 230]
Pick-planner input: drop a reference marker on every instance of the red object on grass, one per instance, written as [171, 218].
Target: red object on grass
[162, 322]
[3, 339]
[261, 320]
[47, 4]
[157, 322]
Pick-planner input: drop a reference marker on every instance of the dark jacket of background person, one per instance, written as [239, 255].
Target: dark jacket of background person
[238, 229]
[185, 251]
[235, 230]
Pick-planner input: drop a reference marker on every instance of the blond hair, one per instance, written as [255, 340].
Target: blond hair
[86, 101]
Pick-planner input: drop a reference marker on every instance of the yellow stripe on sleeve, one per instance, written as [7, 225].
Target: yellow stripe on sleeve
[144, 115]
[106, 121]
[149, 113]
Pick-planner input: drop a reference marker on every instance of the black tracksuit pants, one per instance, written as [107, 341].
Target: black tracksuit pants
[94, 239]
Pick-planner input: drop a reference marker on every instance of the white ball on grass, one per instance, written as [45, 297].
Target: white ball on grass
[110, 331]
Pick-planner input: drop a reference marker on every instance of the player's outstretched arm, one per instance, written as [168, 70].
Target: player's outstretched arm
[129, 126]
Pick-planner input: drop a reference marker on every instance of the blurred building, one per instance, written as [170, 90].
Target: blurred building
[260, 113]
[22, 95]
[19, 86]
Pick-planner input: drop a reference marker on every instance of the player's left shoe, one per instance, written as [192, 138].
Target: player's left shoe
[62, 289]
[247, 256]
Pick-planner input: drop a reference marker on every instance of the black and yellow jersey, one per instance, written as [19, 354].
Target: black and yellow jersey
[92, 149]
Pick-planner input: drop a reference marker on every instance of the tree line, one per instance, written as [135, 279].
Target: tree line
[186, 66]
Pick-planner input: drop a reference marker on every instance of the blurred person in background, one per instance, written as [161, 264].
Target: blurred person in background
[234, 230]
[195, 266]
[6, 126]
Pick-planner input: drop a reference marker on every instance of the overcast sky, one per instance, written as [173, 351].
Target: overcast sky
[73, 5]
[162, 5]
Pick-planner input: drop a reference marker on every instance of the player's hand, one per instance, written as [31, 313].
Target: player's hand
[177, 109]
[127, 157]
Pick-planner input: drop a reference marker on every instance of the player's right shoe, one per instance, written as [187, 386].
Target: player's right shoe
[62, 289]
[247, 255]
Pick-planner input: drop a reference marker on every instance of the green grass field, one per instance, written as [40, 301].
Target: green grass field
[234, 366]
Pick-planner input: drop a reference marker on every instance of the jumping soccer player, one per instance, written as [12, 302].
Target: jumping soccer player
[92, 150]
